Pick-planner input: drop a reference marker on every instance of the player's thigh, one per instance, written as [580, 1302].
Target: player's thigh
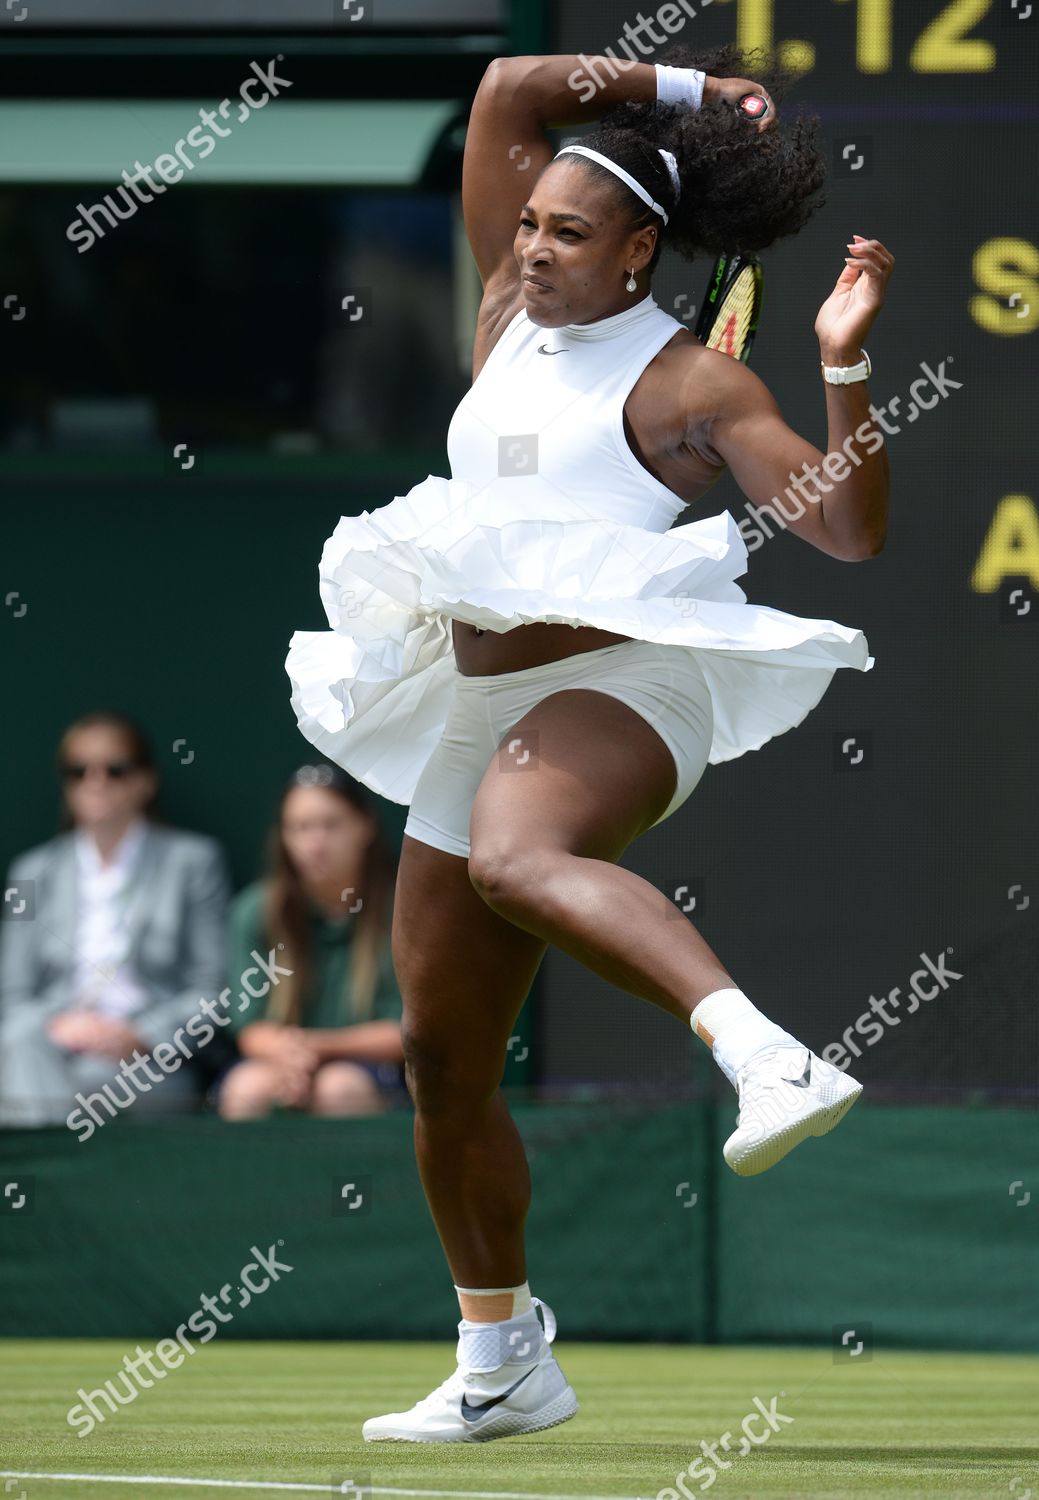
[463, 970]
[580, 771]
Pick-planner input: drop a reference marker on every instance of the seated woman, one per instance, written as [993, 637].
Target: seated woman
[325, 1037]
[122, 935]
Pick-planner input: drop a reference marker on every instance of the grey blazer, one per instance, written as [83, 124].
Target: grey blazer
[178, 948]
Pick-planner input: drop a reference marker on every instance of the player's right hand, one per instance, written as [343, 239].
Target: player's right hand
[732, 90]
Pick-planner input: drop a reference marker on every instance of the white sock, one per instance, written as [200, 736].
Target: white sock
[734, 1029]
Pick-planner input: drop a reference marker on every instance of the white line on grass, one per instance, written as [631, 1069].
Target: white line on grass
[318, 1489]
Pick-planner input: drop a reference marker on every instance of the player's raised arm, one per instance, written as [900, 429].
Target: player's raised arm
[837, 501]
[506, 146]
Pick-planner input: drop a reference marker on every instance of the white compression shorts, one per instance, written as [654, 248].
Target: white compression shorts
[662, 683]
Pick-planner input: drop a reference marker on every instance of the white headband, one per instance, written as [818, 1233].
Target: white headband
[636, 187]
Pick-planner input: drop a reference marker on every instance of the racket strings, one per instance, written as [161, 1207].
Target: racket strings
[733, 322]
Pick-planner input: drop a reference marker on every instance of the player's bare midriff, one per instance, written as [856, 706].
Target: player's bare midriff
[480, 653]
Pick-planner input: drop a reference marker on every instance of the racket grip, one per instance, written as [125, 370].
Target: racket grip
[752, 107]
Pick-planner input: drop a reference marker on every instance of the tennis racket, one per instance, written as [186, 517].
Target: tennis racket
[729, 316]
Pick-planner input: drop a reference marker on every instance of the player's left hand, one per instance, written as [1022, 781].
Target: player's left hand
[849, 311]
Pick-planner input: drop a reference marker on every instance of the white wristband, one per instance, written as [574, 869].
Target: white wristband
[679, 85]
[847, 374]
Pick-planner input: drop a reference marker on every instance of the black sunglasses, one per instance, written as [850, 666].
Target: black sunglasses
[116, 770]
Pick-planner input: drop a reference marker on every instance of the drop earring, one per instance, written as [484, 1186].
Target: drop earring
[631, 283]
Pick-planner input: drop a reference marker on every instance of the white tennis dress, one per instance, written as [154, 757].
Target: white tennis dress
[548, 515]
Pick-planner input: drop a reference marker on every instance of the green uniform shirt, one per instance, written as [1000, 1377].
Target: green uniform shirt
[327, 1003]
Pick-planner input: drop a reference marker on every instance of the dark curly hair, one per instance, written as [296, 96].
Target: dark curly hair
[742, 189]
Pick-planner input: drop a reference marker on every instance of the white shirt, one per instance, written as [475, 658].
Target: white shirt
[583, 468]
[104, 979]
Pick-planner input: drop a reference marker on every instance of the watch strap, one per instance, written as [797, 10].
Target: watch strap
[846, 374]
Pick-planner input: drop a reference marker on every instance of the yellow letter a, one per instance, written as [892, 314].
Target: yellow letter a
[1011, 548]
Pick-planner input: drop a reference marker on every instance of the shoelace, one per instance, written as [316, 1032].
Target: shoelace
[765, 1068]
[766, 1063]
[453, 1385]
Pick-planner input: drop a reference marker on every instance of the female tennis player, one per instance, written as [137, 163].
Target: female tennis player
[531, 659]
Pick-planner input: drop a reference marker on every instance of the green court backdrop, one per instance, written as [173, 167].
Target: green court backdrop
[899, 1227]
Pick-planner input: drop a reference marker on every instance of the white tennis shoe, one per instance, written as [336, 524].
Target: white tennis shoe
[521, 1396]
[786, 1094]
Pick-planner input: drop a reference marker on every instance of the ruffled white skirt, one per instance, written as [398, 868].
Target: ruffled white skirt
[372, 693]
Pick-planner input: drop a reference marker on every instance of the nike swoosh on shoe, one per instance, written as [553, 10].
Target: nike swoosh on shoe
[805, 1078]
[472, 1413]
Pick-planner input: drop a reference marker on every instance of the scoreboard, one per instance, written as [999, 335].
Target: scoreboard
[882, 36]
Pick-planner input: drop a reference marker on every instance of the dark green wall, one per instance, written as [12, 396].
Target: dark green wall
[900, 1220]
